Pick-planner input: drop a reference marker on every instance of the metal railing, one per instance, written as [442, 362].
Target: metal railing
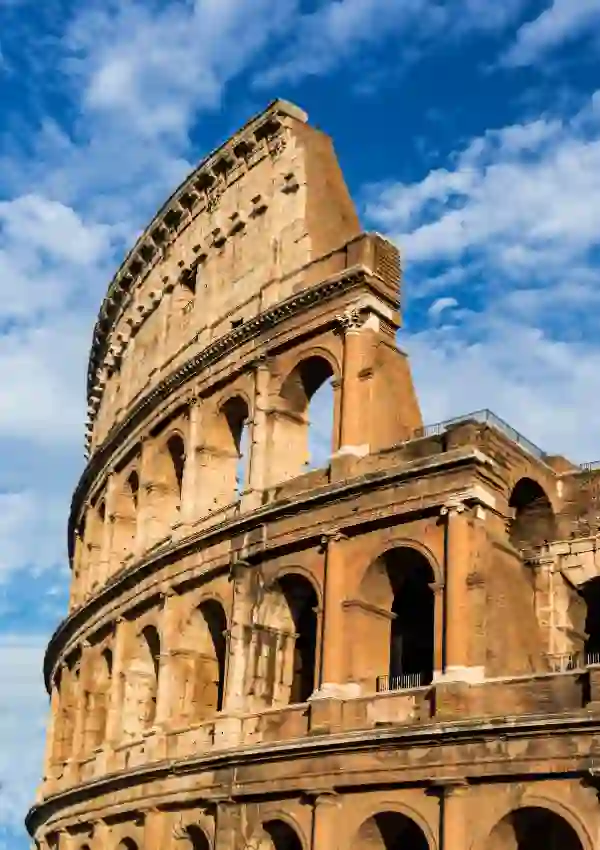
[483, 417]
[590, 466]
[564, 662]
[403, 682]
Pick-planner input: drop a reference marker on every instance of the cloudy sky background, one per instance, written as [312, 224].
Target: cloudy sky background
[469, 131]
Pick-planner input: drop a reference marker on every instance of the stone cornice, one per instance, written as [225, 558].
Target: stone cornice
[264, 515]
[201, 189]
[431, 735]
[335, 285]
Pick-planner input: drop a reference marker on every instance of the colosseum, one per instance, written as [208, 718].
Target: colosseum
[397, 650]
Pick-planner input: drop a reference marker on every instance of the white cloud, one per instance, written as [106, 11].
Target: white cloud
[439, 305]
[511, 229]
[23, 713]
[323, 39]
[563, 21]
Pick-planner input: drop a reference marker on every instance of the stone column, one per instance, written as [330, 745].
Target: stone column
[151, 525]
[257, 472]
[50, 743]
[457, 627]
[454, 823]
[191, 476]
[167, 674]
[333, 673]
[105, 567]
[228, 832]
[114, 725]
[237, 651]
[437, 588]
[353, 432]
[325, 822]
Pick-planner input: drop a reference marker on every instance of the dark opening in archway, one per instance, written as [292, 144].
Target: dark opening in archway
[176, 448]
[390, 831]
[412, 629]
[302, 602]
[236, 413]
[197, 838]
[214, 616]
[281, 835]
[308, 432]
[534, 828]
[591, 595]
[533, 523]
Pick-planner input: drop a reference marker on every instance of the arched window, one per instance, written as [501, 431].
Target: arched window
[533, 523]
[97, 702]
[533, 828]
[127, 844]
[225, 472]
[284, 643]
[590, 592]
[205, 642]
[176, 449]
[197, 838]
[302, 426]
[141, 683]
[401, 622]
[125, 516]
[390, 831]
[278, 835]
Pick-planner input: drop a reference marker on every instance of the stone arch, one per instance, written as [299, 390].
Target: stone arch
[279, 834]
[204, 644]
[536, 826]
[97, 699]
[284, 641]
[141, 683]
[533, 521]
[197, 838]
[94, 537]
[397, 608]
[127, 843]
[125, 515]
[390, 830]
[226, 465]
[290, 429]
[67, 687]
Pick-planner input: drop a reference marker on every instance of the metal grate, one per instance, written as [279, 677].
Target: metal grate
[404, 682]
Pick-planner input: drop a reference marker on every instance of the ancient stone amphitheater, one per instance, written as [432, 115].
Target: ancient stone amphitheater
[397, 651]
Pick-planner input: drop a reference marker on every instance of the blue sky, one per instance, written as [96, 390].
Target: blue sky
[468, 130]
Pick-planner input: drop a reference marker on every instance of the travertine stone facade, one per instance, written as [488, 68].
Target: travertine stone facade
[399, 651]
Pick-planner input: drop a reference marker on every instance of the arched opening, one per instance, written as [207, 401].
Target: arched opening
[390, 831]
[533, 828]
[141, 685]
[533, 523]
[401, 621]
[205, 643]
[125, 517]
[302, 426]
[279, 835]
[227, 453]
[197, 839]
[590, 592]
[176, 449]
[284, 643]
[97, 701]
[95, 522]
[67, 687]
[127, 844]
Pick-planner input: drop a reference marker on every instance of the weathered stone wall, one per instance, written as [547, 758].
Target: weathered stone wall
[398, 649]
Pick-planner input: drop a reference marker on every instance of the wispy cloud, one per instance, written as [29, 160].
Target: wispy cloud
[516, 214]
[338, 30]
[561, 22]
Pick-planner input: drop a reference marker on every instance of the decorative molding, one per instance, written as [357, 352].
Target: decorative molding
[280, 312]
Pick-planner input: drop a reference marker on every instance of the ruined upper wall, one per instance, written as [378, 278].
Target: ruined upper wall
[242, 233]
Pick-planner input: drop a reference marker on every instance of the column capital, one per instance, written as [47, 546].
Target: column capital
[351, 320]
[453, 505]
[333, 536]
